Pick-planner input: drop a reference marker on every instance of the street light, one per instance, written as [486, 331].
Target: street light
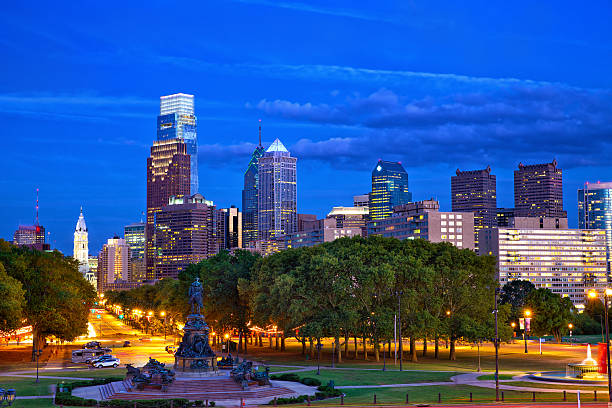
[37, 352]
[399, 324]
[227, 342]
[163, 314]
[497, 290]
[7, 397]
[570, 326]
[593, 295]
[525, 331]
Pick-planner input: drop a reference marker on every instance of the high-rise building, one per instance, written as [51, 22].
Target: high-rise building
[113, 264]
[232, 228]
[389, 189]
[81, 244]
[277, 193]
[92, 274]
[30, 235]
[185, 234]
[168, 174]
[538, 191]
[306, 222]
[361, 200]
[423, 219]
[249, 197]
[326, 231]
[503, 216]
[475, 191]
[595, 211]
[349, 217]
[569, 262]
[177, 120]
[135, 239]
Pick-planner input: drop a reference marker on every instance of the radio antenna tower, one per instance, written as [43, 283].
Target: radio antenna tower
[36, 208]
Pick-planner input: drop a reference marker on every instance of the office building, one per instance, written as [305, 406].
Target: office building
[362, 200]
[177, 120]
[569, 262]
[277, 193]
[113, 264]
[81, 244]
[32, 236]
[168, 174]
[185, 234]
[232, 228]
[326, 230]
[92, 273]
[249, 197]
[475, 191]
[503, 216]
[307, 222]
[350, 217]
[389, 189]
[134, 235]
[595, 211]
[538, 191]
[423, 219]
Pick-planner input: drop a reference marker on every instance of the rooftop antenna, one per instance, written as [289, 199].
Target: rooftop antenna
[260, 133]
[36, 208]
[141, 215]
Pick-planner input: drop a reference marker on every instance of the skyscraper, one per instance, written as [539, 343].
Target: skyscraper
[475, 191]
[232, 227]
[595, 212]
[168, 174]
[389, 188]
[81, 244]
[135, 239]
[249, 197]
[113, 264]
[538, 191]
[185, 234]
[177, 120]
[277, 193]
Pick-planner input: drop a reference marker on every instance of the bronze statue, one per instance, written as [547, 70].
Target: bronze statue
[195, 296]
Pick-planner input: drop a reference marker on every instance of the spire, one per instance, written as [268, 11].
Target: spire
[277, 146]
[260, 133]
[80, 226]
[36, 207]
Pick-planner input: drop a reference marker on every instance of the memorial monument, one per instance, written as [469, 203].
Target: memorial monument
[194, 353]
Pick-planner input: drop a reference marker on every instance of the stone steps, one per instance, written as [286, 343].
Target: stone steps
[203, 395]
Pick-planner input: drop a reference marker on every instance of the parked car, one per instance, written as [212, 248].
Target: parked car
[171, 349]
[127, 344]
[92, 345]
[86, 355]
[101, 358]
[112, 362]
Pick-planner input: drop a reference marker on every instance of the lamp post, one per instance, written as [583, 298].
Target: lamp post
[570, 326]
[7, 397]
[525, 332]
[163, 314]
[37, 352]
[399, 294]
[319, 356]
[496, 349]
[607, 293]
[227, 342]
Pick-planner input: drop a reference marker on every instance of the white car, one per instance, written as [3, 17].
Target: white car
[107, 362]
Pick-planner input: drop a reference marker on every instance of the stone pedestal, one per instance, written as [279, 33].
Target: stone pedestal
[194, 353]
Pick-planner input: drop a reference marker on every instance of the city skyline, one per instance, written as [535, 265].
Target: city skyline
[508, 98]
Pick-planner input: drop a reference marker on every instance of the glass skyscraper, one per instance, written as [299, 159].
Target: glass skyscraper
[249, 197]
[177, 120]
[277, 193]
[595, 211]
[389, 188]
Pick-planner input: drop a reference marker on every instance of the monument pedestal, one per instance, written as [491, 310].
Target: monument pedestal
[194, 354]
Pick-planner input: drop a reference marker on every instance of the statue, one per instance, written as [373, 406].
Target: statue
[195, 296]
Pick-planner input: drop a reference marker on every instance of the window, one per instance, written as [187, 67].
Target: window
[442, 229]
[443, 216]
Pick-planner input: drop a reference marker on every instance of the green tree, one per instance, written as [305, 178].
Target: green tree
[11, 302]
[514, 293]
[551, 313]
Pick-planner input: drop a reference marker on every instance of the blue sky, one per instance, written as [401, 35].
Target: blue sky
[438, 85]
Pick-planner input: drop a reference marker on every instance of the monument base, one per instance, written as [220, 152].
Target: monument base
[184, 364]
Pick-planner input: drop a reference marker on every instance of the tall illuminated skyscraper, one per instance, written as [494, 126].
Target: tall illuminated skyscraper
[389, 189]
[249, 197]
[538, 191]
[177, 120]
[113, 264]
[135, 239]
[277, 193]
[168, 174]
[595, 211]
[476, 191]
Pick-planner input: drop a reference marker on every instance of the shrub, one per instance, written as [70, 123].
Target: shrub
[211, 403]
[313, 382]
[198, 403]
[65, 398]
[157, 403]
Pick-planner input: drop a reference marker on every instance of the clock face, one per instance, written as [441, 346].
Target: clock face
[378, 168]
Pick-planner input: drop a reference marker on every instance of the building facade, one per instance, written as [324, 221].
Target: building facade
[81, 244]
[569, 262]
[326, 231]
[277, 193]
[595, 211]
[29, 235]
[185, 234]
[350, 217]
[134, 235]
[361, 200]
[168, 174]
[423, 219]
[177, 120]
[113, 264]
[389, 189]
[232, 231]
[475, 191]
[503, 216]
[249, 197]
[538, 191]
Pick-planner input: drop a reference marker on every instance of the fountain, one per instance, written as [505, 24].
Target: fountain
[587, 369]
[194, 355]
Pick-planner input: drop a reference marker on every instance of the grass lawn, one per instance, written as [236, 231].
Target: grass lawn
[370, 377]
[279, 369]
[27, 386]
[557, 386]
[35, 403]
[88, 373]
[492, 377]
[449, 394]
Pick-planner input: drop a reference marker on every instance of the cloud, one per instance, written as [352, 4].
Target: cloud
[490, 123]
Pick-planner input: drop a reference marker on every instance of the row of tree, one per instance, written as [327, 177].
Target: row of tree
[44, 290]
[354, 288]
